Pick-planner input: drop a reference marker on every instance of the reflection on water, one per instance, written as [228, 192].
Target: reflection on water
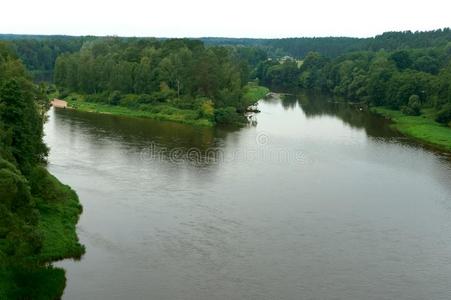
[316, 201]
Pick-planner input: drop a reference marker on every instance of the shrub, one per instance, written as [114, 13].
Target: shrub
[207, 110]
[183, 103]
[19, 237]
[145, 99]
[444, 115]
[129, 100]
[227, 115]
[413, 106]
[114, 98]
[98, 98]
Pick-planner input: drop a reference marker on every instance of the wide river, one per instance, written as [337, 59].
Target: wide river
[310, 201]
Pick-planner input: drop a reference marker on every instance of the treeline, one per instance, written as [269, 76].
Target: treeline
[139, 72]
[39, 53]
[21, 149]
[335, 46]
[407, 80]
[27, 192]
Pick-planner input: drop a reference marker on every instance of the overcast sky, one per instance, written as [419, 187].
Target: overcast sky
[225, 18]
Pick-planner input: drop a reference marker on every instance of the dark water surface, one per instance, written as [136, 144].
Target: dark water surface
[313, 202]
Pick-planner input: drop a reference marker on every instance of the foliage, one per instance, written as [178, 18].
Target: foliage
[207, 110]
[165, 70]
[158, 111]
[19, 235]
[37, 213]
[253, 93]
[444, 115]
[413, 107]
[228, 115]
[279, 75]
[38, 53]
[178, 73]
[422, 128]
[40, 283]
[412, 78]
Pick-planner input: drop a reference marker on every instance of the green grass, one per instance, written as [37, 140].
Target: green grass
[59, 210]
[253, 93]
[164, 112]
[158, 112]
[59, 217]
[422, 128]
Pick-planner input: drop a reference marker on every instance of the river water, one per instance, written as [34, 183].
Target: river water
[312, 200]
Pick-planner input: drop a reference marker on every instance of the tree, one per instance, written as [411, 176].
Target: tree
[22, 122]
[402, 59]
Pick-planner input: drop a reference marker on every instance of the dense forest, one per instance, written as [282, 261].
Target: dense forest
[145, 73]
[335, 46]
[39, 52]
[37, 213]
[408, 79]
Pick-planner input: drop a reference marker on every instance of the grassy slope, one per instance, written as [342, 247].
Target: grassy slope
[157, 112]
[58, 223]
[59, 210]
[422, 128]
[252, 93]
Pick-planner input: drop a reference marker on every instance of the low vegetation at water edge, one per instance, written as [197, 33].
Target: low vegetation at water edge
[38, 214]
[423, 127]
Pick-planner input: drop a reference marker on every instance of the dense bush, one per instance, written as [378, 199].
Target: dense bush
[444, 115]
[413, 107]
[227, 115]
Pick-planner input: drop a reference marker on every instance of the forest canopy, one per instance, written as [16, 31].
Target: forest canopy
[141, 72]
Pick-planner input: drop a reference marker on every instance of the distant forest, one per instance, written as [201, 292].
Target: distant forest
[405, 70]
[39, 52]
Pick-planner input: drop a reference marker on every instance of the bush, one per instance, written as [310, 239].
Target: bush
[62, 93]
[150, 108]
[130, 101]
[444, 115]
[183, 103]
[97, 98]
[413, 107]
[19, 237]
[44, 186]
[207, 110]
[145, 99]
[114, 98]
[227, 115]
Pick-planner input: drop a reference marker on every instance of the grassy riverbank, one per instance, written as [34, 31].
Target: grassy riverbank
[160, 111]
[422, 128]
[59, 210]
[253, 93]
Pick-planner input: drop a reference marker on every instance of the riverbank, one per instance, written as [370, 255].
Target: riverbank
[59, 211]
[157, 112]
[422, 128]
[253, 93]
[162, 111]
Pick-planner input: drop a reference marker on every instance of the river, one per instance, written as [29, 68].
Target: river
[312, 200]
